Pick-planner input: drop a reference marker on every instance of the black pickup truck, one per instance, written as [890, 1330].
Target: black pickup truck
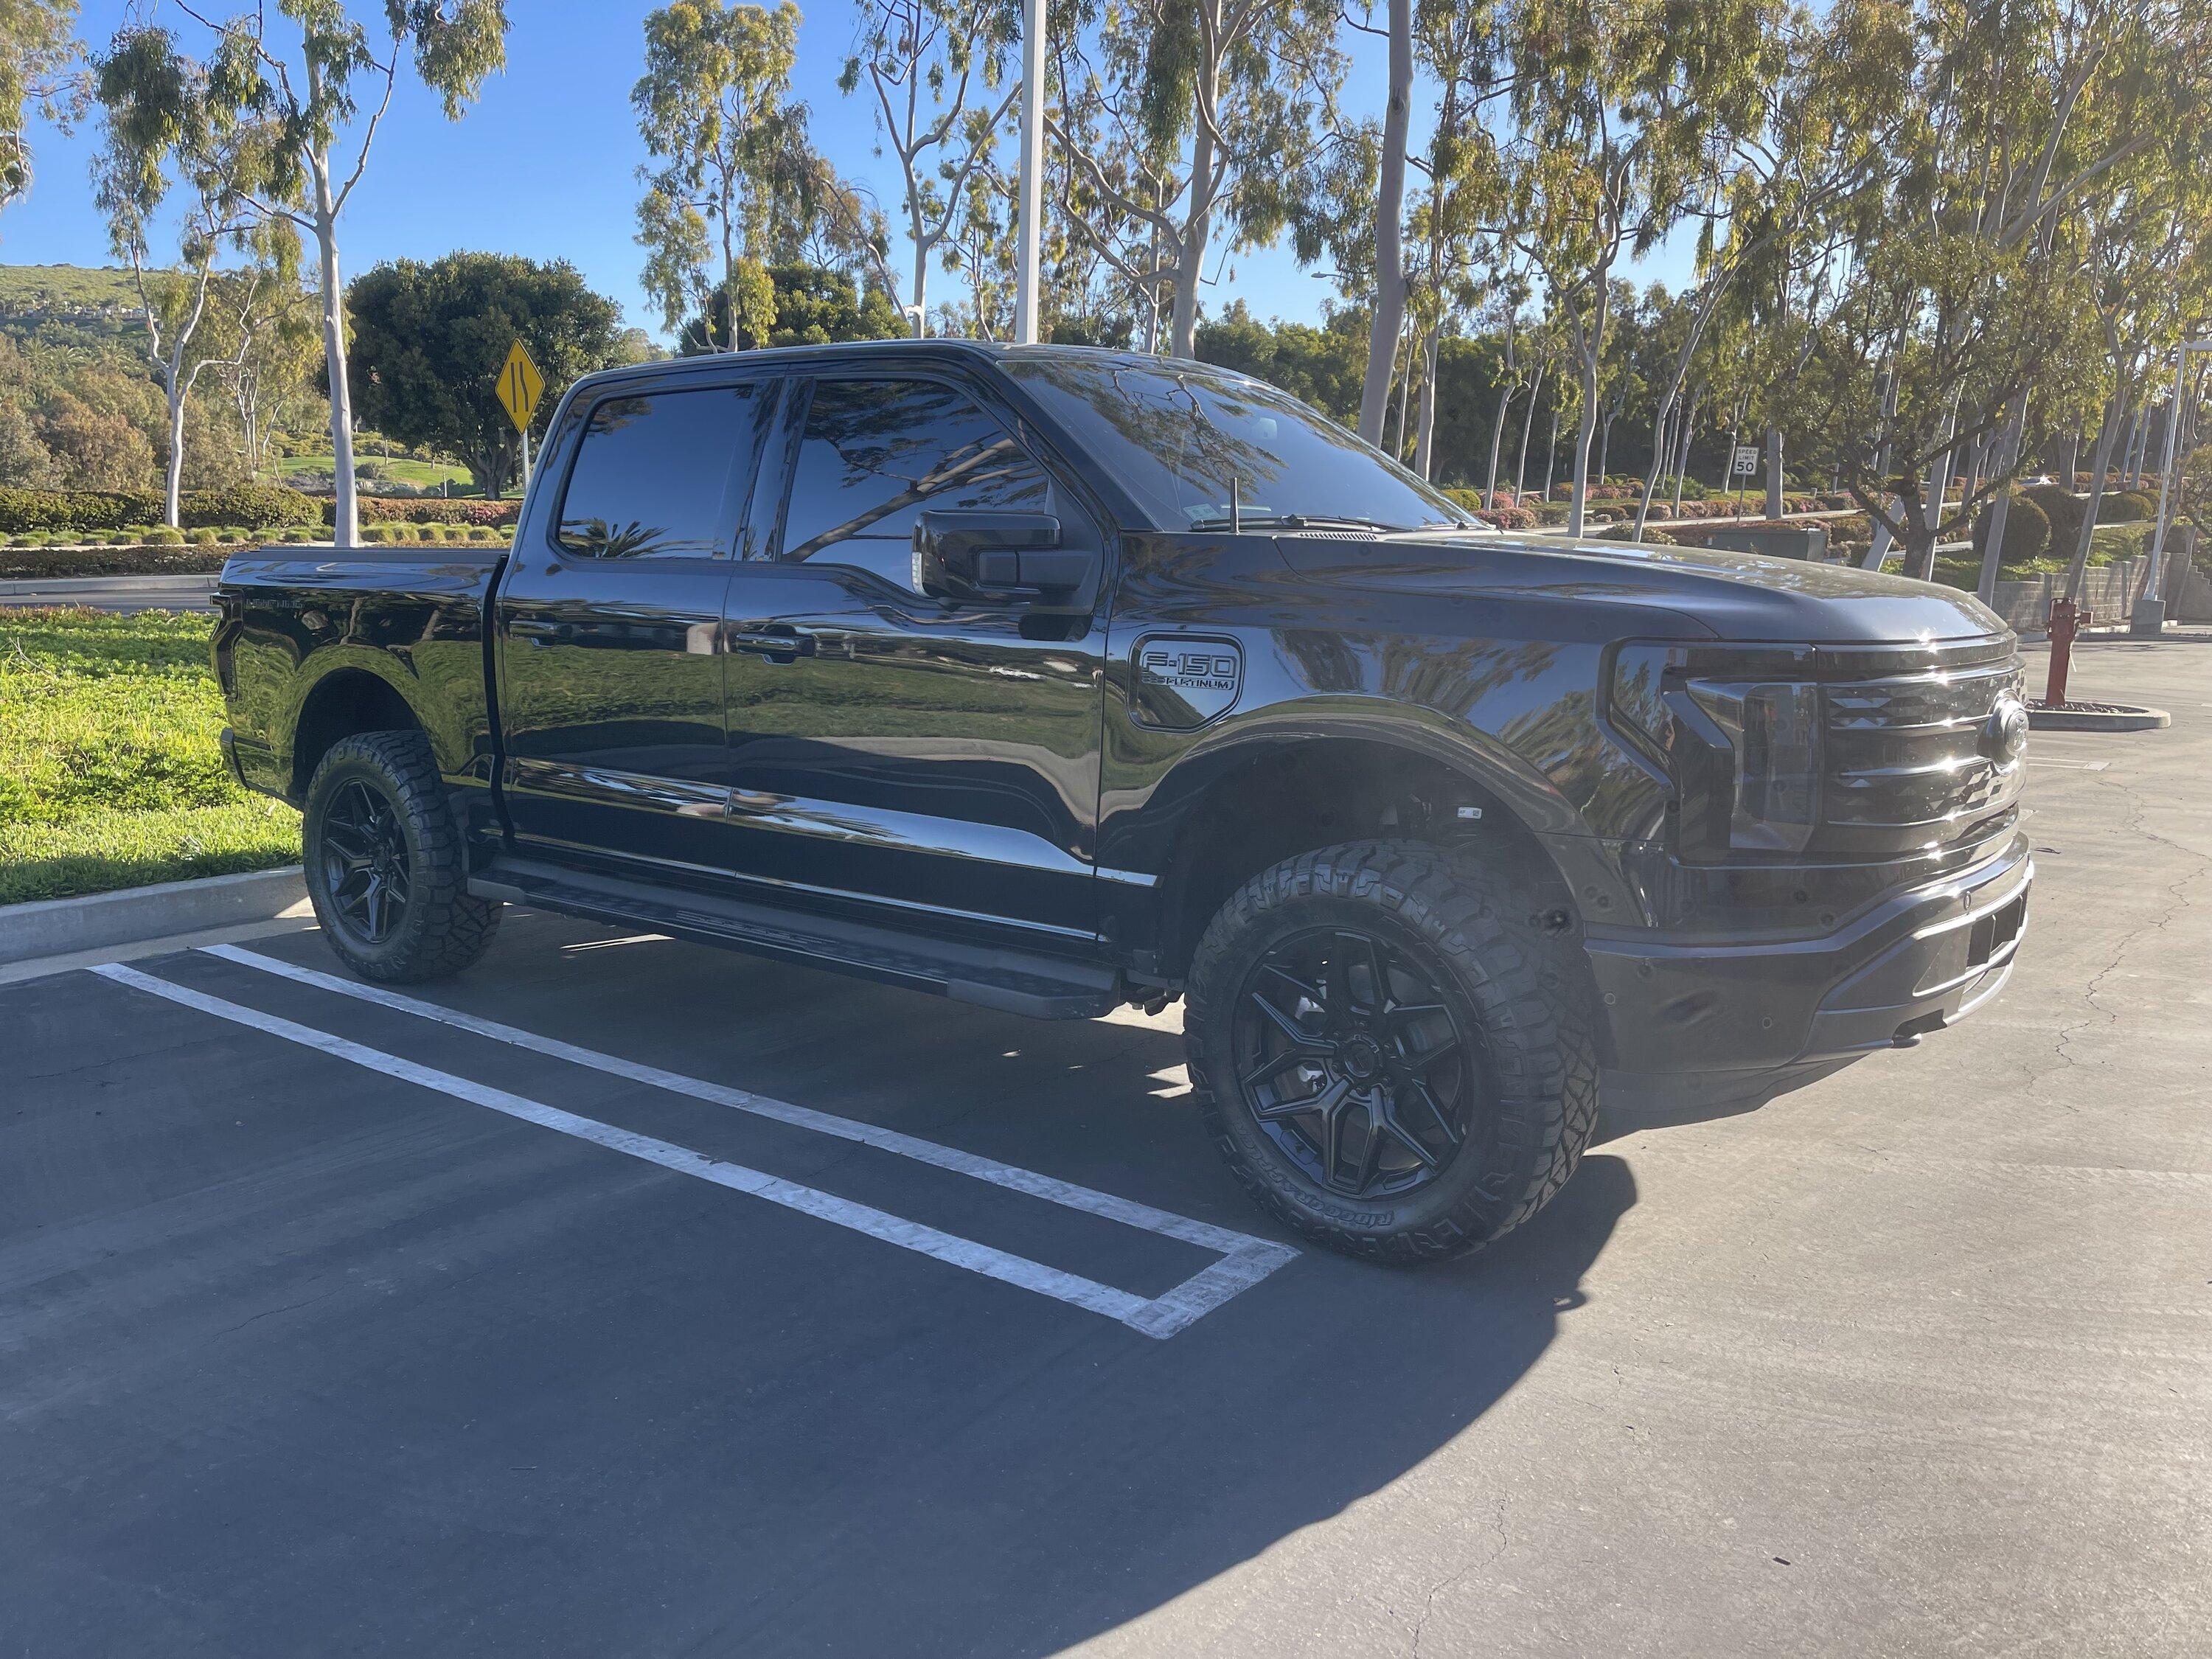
[1054, 679]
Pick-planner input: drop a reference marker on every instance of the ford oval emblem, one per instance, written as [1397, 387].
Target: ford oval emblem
[2004, 734]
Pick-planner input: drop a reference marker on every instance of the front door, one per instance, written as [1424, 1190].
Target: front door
[609, 622]
[889, 745]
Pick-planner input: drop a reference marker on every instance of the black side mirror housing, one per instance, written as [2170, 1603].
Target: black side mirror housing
[995, 555]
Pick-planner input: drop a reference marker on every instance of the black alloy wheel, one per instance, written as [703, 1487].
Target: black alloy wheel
[1351, 1060]
[363, 849]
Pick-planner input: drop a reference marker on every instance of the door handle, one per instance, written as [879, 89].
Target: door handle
[772, 641]
[530, 627]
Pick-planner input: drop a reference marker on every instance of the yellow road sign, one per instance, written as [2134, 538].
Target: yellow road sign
[520, 385]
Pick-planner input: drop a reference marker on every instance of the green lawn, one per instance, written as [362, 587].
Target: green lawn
[109, 772]
[398, 470]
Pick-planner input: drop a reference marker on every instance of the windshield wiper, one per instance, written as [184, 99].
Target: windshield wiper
[1292, 521]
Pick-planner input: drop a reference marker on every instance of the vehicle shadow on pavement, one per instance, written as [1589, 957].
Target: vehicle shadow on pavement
[1077, 1509]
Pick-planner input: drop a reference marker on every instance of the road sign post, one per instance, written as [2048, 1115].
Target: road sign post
[519, 387]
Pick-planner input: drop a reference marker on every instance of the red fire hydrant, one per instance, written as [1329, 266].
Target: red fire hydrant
[2067, 619]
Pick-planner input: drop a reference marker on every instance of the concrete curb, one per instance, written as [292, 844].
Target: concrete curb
[2125, 720]
[51, 927]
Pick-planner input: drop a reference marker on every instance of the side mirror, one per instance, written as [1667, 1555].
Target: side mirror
[986, 555]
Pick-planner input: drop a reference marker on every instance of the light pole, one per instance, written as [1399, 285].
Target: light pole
[1032, 176]
[2149, 616]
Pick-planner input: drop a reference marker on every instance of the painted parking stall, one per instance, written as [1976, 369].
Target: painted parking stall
[1242, 1260]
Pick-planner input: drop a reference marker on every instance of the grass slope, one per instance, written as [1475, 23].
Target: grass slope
[110, 775]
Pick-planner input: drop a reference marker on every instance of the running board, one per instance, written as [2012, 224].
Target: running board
[1017, 981]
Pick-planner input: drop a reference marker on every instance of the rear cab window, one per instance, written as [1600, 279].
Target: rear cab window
[662, 473]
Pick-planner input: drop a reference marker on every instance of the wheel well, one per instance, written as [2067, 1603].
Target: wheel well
[1321, 791]
[342, 705]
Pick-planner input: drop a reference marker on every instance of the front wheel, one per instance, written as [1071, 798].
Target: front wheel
[1392, 1048]
[385, 865]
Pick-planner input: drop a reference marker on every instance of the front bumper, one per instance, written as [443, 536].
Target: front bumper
[1913, 963]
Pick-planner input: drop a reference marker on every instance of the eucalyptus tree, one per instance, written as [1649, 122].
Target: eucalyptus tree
[1186, 122]
[1454, 263]
[715, 109]
[1968, 306]
[938, 71]
[2141, 227]
[38, 74]
[1834, 123]
[1388, 321]
[162, 135]
[301, 89]
[1619, 109]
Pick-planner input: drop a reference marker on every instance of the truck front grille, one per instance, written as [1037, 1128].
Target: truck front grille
[1915, 752]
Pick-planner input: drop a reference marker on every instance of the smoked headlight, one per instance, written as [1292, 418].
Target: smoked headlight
[1736, 733]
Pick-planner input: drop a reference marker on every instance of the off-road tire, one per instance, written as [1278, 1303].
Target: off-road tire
[443, 928]
[1515, 965]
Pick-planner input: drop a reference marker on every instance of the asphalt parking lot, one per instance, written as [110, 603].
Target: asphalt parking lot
[627, 1298]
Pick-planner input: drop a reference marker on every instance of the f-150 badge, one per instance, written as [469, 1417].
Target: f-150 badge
[1181, 682]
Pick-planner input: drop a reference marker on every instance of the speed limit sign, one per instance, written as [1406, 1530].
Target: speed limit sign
[1746, 460]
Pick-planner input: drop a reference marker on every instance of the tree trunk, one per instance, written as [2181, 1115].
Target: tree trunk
[2106, 440]
[1497, 432]
[920, 284]
[345, 528]
[1405, 390]
[1550, 443]
[2005, 459]
[1425, 441]
[1190, 252]
[1389, 320]
[1774, 501]
[173, 475]
[1688, 434]
[1604, 447]
[1528, 420]
[1586, 428]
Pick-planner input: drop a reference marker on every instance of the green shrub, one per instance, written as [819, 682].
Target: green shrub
[2127, 507]
[2027, 531]
[22, 510]
[379, 509]
[163, 536]
[2063, 510]
[200, 538]
[246, 506]
[1625, 531]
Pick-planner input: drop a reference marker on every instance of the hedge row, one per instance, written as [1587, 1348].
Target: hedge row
[256, 507]
[251, 505]
[426, 509]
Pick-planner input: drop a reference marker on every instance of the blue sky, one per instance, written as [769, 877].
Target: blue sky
[545, 164]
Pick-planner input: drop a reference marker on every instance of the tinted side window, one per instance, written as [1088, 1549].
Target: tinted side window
[874, 453]
[654, 471]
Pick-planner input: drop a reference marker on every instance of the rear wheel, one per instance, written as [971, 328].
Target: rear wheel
[386, 866]
[1392, 1048]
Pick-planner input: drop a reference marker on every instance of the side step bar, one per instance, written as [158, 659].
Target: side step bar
[1018, 982]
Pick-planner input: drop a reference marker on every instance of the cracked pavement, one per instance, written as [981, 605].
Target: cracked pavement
[1917, 1359]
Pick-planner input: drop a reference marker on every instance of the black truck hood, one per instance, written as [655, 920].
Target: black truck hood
[1737, 596]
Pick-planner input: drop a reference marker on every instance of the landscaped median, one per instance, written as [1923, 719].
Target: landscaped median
[110, 772]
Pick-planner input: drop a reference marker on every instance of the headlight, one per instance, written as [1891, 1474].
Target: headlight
[1735, 733]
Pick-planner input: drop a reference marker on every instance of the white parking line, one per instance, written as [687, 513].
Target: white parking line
[1159, 1317]
[1127, 1211]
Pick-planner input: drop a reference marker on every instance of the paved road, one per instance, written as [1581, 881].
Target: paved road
[306, 1353]
[185, 592]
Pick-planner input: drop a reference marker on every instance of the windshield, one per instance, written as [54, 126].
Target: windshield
[1181, 438]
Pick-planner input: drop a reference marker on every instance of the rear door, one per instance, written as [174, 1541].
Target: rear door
[892, 747]
[609, 619]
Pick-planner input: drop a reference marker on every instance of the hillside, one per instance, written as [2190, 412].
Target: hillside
[67, 304]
